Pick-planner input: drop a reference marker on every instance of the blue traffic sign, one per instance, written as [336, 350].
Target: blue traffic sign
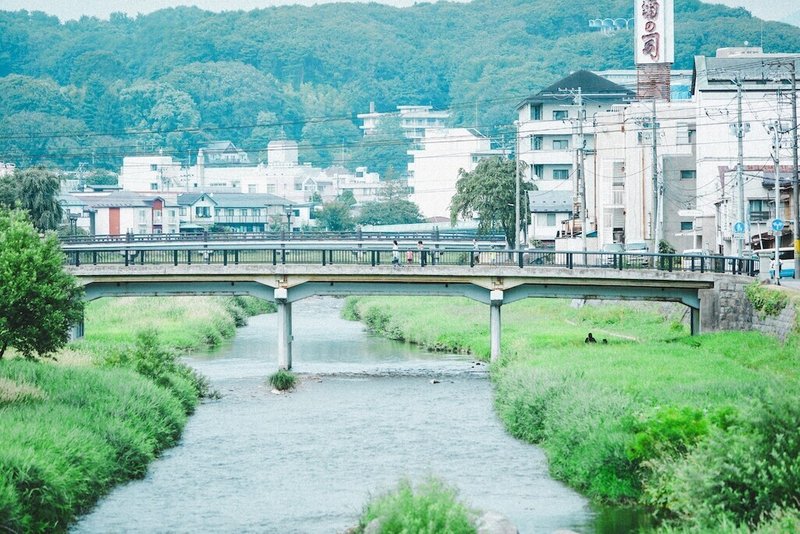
[777, 225]
[738, 227]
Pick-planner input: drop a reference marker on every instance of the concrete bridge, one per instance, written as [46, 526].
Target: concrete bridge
[285, 273]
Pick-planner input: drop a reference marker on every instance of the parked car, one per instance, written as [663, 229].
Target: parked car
[637, 247]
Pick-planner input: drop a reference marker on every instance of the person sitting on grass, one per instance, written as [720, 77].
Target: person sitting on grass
[590, 339]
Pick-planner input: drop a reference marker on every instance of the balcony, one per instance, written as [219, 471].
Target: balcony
[549, 157]
[240, 219]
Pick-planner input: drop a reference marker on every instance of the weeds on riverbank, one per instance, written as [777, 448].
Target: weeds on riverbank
[430, 508]
[653, 416]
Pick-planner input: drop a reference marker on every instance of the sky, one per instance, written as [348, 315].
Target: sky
[73, 9]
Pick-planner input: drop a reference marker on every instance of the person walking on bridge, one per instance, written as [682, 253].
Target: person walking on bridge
[423, 254]
[395, 254]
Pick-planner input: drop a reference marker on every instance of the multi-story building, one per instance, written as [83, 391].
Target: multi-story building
[765, 81]
[435, 166]
[238, 212]
[414, 120]
[624, 181]
[548, 136]
[123, 212]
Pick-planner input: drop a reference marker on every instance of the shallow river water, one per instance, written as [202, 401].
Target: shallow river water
[365, 415]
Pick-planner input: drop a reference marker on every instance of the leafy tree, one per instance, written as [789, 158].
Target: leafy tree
[397, 211]
[348, 198]
[335, 217]
[39, 301]
[489, 191]
[35, 191]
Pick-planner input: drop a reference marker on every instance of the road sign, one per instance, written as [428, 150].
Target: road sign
[777, 225]
[738, 228]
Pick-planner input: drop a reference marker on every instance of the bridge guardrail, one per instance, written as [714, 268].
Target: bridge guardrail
[441, 235]
[131, 254]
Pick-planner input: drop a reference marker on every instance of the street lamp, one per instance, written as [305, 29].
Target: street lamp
[73, 223]
[289, 220]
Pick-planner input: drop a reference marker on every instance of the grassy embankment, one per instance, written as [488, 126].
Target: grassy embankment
[73, 428]
[702, 429]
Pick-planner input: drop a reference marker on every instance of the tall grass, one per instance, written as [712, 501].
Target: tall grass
[642, 418]
[430, 508]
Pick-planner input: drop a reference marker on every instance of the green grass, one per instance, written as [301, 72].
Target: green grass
[430, 508]
[614, 418]
[283, 380]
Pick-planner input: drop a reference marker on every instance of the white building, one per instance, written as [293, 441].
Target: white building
[152, 173]
[623, 180]
[762, 77]
[548, 135]
[414, 120]
[435, 166]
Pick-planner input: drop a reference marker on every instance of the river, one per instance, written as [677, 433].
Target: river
[367, 412]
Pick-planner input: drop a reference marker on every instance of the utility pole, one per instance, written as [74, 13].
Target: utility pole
[776, 158]
[658, 211]
[740, 163]
[516, 185]
[581, 174]
[795, 180]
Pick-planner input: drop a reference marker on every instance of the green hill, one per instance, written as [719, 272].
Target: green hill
[94, 90]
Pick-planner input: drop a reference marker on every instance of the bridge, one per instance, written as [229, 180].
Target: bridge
[287, 271]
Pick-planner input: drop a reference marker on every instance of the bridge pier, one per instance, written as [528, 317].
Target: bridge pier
[284, 328]
[495, 301]
[694, 321]
[77, 330]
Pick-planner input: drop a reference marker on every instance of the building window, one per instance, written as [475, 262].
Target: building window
[142, 216]
[537, 141]
[560, 144]
[251, 188]
[691, 134]
[536, 112]
[202, 212]
[256, 212]
[153, 167]
[271, 188]
[688, 174]
[153, 186]
[551, 219]
[229, 212]
[243, 212]
[560, 174]
[560, 114]
[760, 210]
[538, 172]
[686, 225]
[183, 211]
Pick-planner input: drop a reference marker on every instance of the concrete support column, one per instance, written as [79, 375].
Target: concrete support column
[284, 328]
[495, 301]
[695, 320]
[77, 330]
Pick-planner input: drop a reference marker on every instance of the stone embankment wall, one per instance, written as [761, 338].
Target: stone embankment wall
[728, 308]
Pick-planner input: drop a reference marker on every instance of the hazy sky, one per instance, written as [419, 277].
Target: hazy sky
[71, 9]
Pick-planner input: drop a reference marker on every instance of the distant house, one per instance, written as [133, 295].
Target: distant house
[223, 153]
[122, 212]
[237, 212]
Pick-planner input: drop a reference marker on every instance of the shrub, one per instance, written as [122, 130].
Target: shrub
[767, 302]
[669, 431]
[283, 380]
[350, 310]
[430, 509]
[741, 475]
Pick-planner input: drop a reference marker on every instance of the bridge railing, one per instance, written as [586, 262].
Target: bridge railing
[297, 254]
[436, 235]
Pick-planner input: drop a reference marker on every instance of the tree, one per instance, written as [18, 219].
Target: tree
[35, 191]
[335, 217]
[39, 301]
[347, 197]
[386, 148]
[397, 211]
[489, 191]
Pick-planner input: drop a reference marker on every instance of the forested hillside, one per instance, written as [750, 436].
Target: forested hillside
[93, 90]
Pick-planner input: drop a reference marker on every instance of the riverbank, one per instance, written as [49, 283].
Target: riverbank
[105, 408]
[690, 426]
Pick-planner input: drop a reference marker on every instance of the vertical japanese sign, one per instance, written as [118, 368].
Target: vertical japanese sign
[654, 35]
